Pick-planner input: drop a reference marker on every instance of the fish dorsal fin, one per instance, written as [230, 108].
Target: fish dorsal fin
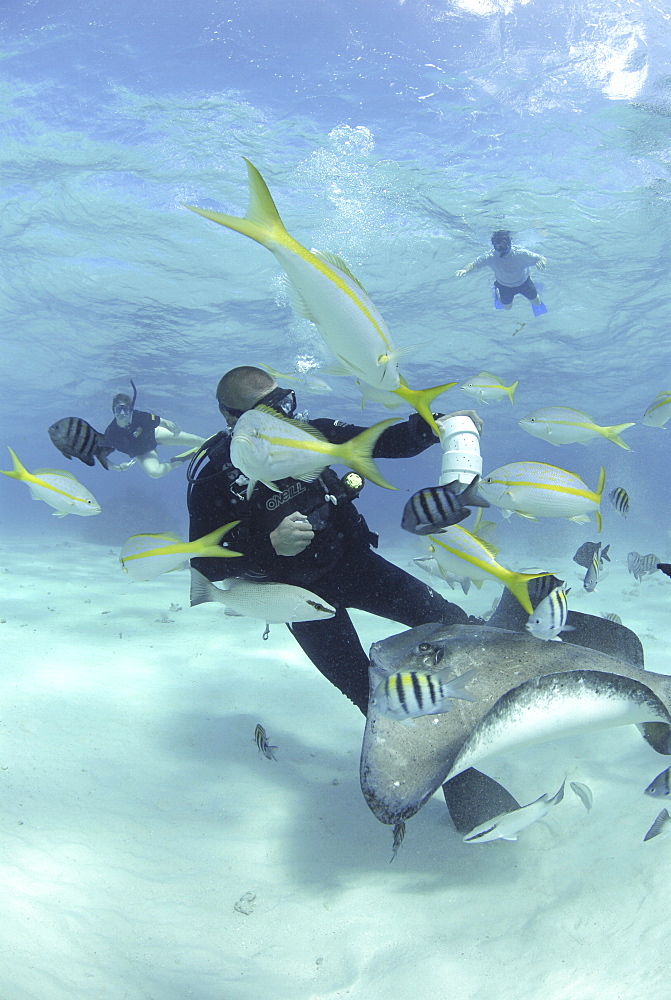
[55, 472]
[300, 424]
[335, 261]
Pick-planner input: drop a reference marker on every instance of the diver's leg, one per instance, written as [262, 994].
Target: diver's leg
[383, 589]
[181, 439]
[334, 648]
[505, 295]
[153, 465]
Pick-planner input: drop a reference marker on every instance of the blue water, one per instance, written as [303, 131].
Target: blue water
[397, 134]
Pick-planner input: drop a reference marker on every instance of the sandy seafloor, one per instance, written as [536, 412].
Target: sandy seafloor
[137, 812]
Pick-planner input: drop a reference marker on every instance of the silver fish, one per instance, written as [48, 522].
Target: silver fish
[583, 792]
[261, 740]
[76, 438]
[661, 826]
[620, 500]
[660, 788]
[639, 565]
[549, 618]
[509, 824]
[438, 507]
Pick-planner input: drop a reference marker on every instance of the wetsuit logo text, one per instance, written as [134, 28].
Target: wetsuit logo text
[278, 499]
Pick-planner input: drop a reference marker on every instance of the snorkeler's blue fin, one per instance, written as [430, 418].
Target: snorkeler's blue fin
[497, 301]
[539, 309]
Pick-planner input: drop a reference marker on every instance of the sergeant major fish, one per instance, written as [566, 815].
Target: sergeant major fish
[549, 618]
[75, 438]
[507, 825]
[591, 556]
[410, 694]
[620, 500]
[324, 291]
[661, 827]
[639, 565]
[438, 507]
[58, 489]
[261, 740]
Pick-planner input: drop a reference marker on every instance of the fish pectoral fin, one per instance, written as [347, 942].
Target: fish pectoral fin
[508, 838]
[527, 517]
[580, 519]
[297, 302]
[57, 513]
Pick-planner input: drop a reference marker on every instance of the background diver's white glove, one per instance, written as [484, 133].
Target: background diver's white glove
[122, 466]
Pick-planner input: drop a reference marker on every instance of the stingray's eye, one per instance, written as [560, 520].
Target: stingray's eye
[424, 647]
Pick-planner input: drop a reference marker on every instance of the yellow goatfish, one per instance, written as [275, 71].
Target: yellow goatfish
[458, 551]
[266, 447]
[324, 291]
[146, 556]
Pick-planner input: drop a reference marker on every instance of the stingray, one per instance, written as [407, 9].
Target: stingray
[528, 691]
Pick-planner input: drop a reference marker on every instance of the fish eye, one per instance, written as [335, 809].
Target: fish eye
[424, 647]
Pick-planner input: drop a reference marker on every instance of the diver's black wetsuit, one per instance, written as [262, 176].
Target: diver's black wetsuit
[136, 439]
[338, 565]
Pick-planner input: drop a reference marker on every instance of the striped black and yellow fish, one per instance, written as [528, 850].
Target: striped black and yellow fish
[591, 556]
[620, 500]
[76, 438]
[261, 740]
[549, 618]
[409, 694]
[639, 565]
[436, 507]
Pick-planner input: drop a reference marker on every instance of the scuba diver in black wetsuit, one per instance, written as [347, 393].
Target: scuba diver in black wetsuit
[137, 433]
[310, 534]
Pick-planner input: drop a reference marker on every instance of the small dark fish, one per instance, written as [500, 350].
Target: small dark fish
[620, 500]
[75, 438]
[612, 617]
[662, 825]
[665, 568]
[639, 565]
[399, 834]
[262, 743]
[438, 507]
[660, 788]
[591, 556]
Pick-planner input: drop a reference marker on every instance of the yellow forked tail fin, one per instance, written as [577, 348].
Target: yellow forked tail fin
[421, 399]
[262, 221]
[510, 390]
[599, 490]
[358, 453]
[613, 432]
[18, 472]
[517, 585]
[208, 546]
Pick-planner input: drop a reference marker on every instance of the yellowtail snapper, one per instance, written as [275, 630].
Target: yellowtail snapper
[58, 489]
[549, 618]
[439, 507]
[620, 500]
[261, 740]
[409, 694]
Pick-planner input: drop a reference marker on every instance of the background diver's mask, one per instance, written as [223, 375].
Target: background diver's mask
[502, 245]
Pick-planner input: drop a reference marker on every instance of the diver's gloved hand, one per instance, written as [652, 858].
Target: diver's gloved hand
[479, 423]
[292, 535]
[419, 428]
[122, 466]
